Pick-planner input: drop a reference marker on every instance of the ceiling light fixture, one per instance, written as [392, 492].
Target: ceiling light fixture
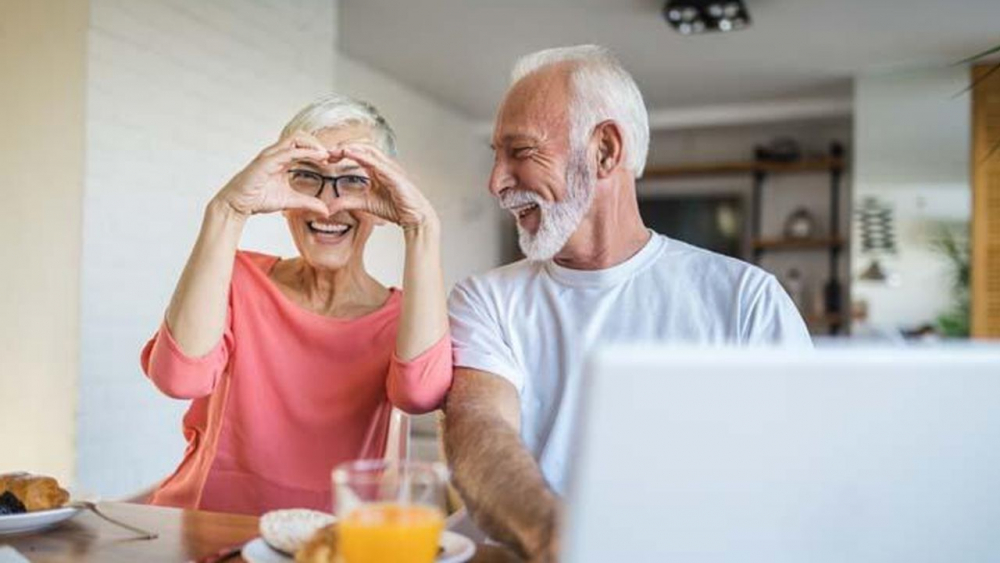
[691, 17]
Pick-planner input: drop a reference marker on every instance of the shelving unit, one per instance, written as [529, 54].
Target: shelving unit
[834, 318]
[796, 244]
[744, 167]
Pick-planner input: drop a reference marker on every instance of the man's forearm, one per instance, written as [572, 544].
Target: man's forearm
[502, 485]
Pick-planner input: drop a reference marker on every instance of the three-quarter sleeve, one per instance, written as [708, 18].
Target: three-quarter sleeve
[419, 385]
[181, 376]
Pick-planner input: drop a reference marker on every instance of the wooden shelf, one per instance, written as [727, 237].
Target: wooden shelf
[797, 244]
[716, 168]
[824, 320]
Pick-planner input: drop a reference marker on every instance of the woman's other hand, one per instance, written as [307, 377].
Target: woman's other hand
[262, 187]
[392, 196]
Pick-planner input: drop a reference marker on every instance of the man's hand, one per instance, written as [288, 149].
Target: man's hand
[549, 554]
[543, 547]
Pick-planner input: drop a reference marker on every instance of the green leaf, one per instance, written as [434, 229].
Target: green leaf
[974, 58]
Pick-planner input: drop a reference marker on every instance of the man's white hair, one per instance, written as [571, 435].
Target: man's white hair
[601, 89]
[335, 111]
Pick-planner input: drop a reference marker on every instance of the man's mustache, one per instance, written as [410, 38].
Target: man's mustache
[516, 198]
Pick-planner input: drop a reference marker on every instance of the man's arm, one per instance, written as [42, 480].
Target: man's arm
[498, 478]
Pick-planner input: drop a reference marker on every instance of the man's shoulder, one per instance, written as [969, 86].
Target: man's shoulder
[705, 266]
[501, 278]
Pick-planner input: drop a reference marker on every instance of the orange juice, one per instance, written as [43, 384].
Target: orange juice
[377, 533]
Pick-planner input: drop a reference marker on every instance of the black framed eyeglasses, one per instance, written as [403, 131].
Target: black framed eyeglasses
[310, 182]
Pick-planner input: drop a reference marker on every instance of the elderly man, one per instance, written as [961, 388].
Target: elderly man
[570, 139]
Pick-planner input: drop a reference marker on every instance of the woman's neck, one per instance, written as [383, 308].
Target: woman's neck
[347, 292]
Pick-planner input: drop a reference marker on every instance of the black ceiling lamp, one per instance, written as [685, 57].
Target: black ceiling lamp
[699, 16]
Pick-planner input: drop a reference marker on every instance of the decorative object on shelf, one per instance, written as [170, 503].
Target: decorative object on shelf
[782, 149]
[875, 222]
[700, 16]
[795, 286]
[874, 272]
[859, 310]
[877, 236]
[800, 224]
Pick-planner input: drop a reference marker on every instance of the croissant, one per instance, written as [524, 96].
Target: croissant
[36, 492]
[321, 548]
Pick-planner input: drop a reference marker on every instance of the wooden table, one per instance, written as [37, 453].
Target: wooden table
[185, 535]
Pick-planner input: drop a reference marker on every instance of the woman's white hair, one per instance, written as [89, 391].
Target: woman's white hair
[602, 90]
[335, 111]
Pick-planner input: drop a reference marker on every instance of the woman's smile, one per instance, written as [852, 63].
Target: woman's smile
[327, 232]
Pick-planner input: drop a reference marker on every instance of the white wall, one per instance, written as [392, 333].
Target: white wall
[42, 69]
[181, 94]
[912, 138]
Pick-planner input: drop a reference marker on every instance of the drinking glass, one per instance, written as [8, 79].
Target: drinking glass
[389, 510]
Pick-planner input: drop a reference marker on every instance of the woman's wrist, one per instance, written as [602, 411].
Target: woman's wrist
[428, 229]
[219, 208]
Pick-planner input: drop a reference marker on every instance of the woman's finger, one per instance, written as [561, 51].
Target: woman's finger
[372, 156]
[276, 146]
[295, 200]
[349, 202]
[374, 162]
[299, 139]
[289, 155]
[368, 203]
[305, 140]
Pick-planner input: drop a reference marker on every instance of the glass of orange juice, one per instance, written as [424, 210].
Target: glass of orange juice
[389, 510]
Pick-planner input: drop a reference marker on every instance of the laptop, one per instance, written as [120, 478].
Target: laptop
[839, 455]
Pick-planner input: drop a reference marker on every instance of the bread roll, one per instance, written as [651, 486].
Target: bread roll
[36, 492]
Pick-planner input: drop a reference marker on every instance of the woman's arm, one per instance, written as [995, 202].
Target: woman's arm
[196, 316]
[424, 320]
[395, 198]
[420, 373]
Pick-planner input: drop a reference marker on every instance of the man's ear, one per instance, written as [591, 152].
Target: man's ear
[610, 148]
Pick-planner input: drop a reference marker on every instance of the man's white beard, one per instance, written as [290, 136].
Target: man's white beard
[559, 220]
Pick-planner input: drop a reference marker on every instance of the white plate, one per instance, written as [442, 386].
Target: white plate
[35, 521]
[457, 548]
[257, 551]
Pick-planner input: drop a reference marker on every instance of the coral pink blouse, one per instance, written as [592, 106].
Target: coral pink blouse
[285, 396]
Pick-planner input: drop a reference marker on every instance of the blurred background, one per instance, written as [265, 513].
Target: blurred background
[840, 145]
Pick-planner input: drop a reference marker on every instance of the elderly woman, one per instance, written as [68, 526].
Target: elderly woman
[293, 365]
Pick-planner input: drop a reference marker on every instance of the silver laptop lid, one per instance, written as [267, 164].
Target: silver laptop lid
[767, 455]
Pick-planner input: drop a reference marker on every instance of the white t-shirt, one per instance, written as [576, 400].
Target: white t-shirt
[534, 323]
